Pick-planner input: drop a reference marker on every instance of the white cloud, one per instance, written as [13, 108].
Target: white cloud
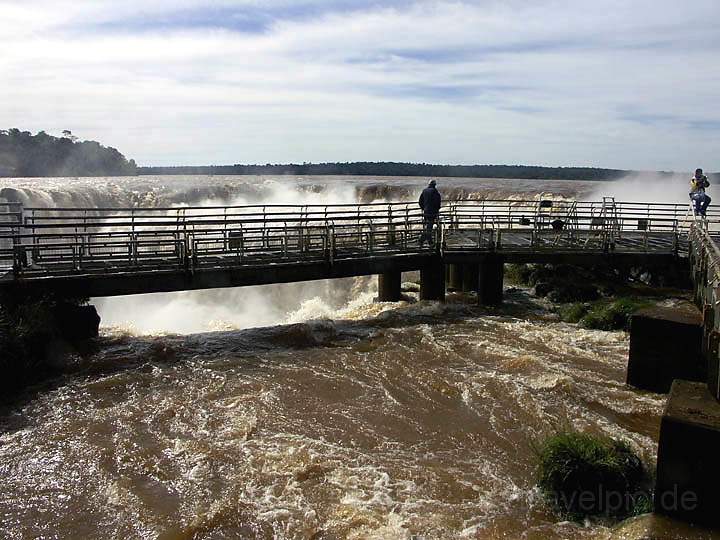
[608, 83]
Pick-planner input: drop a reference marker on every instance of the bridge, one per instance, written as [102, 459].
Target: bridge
[96, 252]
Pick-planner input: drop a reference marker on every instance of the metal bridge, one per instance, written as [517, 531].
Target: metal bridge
[113, 251]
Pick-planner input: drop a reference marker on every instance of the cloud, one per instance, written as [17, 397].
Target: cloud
[609, 83]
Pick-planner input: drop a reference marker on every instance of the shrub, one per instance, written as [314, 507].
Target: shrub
[586, 475]
[518, 273]
[572, 313]
[613, 316]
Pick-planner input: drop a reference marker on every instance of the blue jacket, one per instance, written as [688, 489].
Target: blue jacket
[430, 201]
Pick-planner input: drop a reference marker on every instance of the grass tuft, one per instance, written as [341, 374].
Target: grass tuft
[586, 475]
[573, 313]
[614, 315]
[603, 314]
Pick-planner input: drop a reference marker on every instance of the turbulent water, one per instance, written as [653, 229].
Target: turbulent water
[306, 411]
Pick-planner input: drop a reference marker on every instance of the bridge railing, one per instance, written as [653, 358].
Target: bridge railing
[704, 254]
[90, 219]
[67, 240]
[11, 218]
[523, 214]
[567, 225]
[48, 241]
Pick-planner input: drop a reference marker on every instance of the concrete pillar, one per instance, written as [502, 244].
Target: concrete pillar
[688, 468]
[455, 276]
[708, 321]
[713, 362]
[490, 283]
[665, 344]
[470, 277]
[432, 281]
[389, 286]
[710, 342]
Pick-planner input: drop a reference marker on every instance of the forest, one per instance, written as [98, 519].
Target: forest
[369, 168]
[23, 154]
[372, 168]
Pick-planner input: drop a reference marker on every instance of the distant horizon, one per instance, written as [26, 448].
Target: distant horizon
[438, 164]
[23, 154]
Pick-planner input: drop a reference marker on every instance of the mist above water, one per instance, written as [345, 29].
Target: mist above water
[648, 188]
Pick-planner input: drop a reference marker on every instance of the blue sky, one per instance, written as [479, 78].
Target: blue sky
[554, 82]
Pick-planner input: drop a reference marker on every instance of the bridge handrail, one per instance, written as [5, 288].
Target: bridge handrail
[220, 207]
[50, 241]
[494, 212]
[466, 202]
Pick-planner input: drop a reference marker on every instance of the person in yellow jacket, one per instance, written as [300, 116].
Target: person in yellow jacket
[699, 198]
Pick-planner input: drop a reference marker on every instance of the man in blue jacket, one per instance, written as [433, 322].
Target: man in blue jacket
[429, 202]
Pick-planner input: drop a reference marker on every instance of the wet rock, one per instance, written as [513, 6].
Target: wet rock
[409, 286]
[59, 354]
[312, 472]
[575, 292]
[76, 323]
[657, 527]
[543, 288]
[161, 352]
[309, 334]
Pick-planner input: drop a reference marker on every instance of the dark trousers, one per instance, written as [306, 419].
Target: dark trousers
[428, 224]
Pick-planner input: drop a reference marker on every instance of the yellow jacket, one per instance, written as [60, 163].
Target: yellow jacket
[698, 185]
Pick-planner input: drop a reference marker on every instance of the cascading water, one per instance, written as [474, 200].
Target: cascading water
[313, 413]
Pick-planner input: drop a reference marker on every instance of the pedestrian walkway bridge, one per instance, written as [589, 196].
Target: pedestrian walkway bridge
[114, 251]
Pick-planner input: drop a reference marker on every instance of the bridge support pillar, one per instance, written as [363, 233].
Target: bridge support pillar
[432, 281]
[470, 277]
[490, 280]
[389, 286]
[710, 348]
[665, 344]
[455, 277]
[688, 469]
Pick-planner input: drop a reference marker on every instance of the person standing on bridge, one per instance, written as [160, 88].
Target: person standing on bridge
[429, 202]
[699, 198]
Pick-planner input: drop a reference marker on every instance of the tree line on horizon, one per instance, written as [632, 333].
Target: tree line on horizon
[385, 168]
[23, 154]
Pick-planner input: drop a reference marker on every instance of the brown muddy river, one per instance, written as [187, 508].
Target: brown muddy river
[338, 418]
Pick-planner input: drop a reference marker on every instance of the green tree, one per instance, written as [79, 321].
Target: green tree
[25, 154]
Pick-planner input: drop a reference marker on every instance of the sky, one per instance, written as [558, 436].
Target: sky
[632, 84]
